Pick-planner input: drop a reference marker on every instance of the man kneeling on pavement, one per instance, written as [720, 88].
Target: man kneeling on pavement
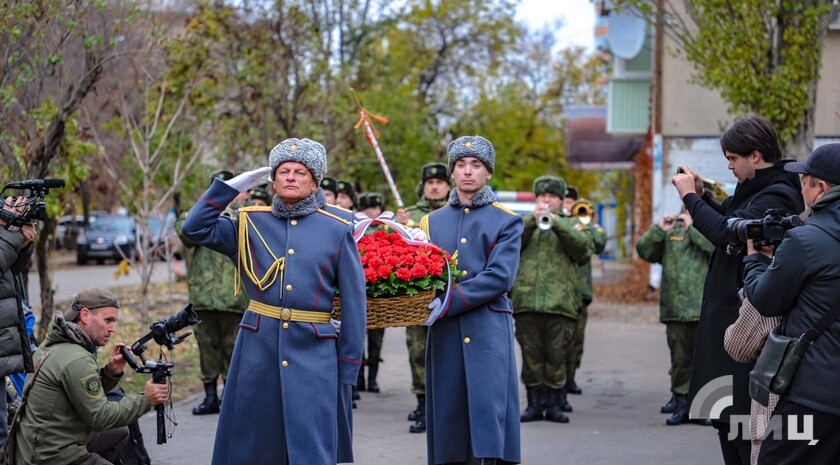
[65, 417]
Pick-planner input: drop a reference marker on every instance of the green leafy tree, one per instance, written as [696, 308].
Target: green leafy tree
[763, 57]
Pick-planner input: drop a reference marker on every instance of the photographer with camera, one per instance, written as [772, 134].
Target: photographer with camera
[752, 149]
[64, 417]
[15, 252]
[801, 284]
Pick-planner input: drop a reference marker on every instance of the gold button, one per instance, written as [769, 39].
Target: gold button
[291, 251]
[466, 340]
[288, 287]
[294, 222]
[285, 325]
[285, 363]
[285, 314]
[464, 273]
[467, 210]
[463, 240]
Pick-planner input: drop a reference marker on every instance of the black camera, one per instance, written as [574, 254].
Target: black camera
[33, 191]
[768, 230]
[163, 333]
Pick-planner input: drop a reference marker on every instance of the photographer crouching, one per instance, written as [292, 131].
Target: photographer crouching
[65, 417]
[801, 284]
[754, 156]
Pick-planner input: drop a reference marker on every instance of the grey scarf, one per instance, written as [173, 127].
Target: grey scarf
[300, 208]
[481, 198]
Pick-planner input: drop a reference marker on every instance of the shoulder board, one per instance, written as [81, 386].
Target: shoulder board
[338, 207]
[254, 208]
[333, 216]
[504, 208]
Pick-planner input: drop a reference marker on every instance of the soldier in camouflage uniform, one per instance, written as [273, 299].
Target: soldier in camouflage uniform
[684, 254]
[370, 203]
[434, 192]
[210, 277]
[598, 240]
[546, 299]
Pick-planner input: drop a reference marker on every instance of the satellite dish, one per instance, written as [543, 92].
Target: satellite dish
[625, 34]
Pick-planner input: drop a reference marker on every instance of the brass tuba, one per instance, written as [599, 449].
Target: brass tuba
[584, 210]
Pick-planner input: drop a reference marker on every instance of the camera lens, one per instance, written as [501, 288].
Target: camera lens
[186, 317]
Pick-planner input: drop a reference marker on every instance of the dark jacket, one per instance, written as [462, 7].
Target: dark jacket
[771, 188]
[15, 350]
[801, 284]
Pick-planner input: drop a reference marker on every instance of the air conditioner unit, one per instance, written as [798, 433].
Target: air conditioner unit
[834, 19]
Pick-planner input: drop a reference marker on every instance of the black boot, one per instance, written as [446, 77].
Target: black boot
[360, 381]
[552, 407]
[420, 411]
[565, 406]
[669, 406]
[373, 370]
[211, 400]
[534, 410]
[571, 385]
[680, 415]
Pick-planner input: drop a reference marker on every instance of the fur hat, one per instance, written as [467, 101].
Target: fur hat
[551, 184]
[370, 200]
[261, 193]
[571, 192]
[472, 146]
[224, 175]
[435, 170]
[344, 187]
[307, 152]
[823, 164]
[90, 298]
[330, 184]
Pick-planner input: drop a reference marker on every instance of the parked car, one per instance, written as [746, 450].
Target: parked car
[163, 240]
[109, 237]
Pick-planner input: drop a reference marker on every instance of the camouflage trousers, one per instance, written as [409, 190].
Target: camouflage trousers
[682, 337]
[415, 340]
[575, 353]
[545, 340]
[215, 336]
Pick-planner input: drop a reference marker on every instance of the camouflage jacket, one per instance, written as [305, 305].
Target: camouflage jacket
[211, 279]
[684, 255]
[597, 241]
[548, 276]
[421, 208]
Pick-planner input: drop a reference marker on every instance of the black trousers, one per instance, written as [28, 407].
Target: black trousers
[826, 429]
[735, 451]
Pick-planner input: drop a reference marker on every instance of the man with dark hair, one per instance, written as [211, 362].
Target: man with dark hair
[434, 193]
[65, 417]
[752, 150]
[801, 284]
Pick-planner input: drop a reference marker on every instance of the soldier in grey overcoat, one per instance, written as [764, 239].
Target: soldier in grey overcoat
[472, 393]
[279, 404]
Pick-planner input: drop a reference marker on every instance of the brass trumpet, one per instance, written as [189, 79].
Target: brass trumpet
[584, 210]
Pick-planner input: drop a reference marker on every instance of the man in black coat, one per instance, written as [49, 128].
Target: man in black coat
[754, 155]
[801, 283]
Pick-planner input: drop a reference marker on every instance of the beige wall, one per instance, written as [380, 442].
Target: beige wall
[690, 110]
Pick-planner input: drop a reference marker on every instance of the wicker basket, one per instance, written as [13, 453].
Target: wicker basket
[390, 312]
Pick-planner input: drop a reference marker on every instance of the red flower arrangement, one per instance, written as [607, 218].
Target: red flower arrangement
[393, 267]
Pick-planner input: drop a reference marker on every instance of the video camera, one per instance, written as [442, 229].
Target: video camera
[768, 230]
[34, 191]
[163, 332]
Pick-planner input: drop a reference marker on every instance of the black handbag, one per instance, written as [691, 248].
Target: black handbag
[780, 356]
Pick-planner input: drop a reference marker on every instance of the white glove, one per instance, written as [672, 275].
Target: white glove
[336, 324]
[249, 179]
[417, 234]
[436, 309]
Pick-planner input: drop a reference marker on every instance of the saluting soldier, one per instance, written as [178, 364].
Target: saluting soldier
[598, 241]
[471, 390]
[289, 362]
[547, 301]
[434, 193]
[210, 278]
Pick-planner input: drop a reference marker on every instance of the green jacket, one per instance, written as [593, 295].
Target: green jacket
[597, 241]
[548, 276]
[67, 400]
[417, 211]
[211, 279]
[684, 255]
